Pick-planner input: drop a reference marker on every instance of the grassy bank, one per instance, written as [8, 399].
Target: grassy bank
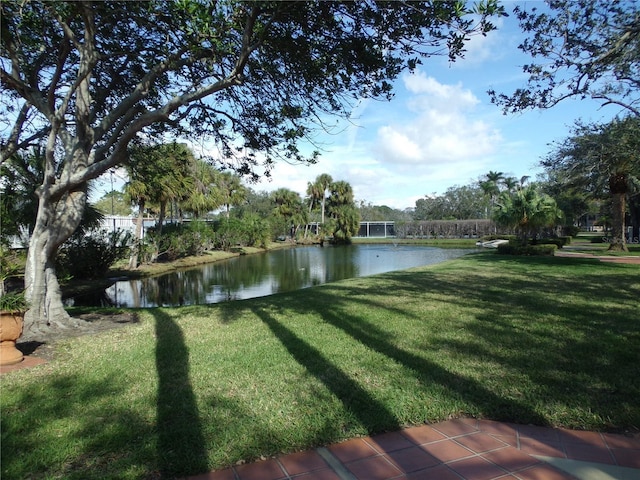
[548, 341]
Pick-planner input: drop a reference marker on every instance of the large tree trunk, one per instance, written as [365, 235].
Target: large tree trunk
[618, 186]
[56, 221]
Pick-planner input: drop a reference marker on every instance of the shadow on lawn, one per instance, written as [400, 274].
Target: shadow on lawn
[99, 437]
[104, 440]
[372, 414]
[568, 355]
[180, 437]
[427, 372]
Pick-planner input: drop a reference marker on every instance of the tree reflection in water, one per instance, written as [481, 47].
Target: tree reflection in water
[263, 274]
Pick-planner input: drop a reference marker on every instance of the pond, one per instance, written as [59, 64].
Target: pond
[258, 275]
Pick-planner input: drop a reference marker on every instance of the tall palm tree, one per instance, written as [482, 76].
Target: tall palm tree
[178, 184]
[231, 190]
[341, 207]
[290, 208]
[491, 188]
[157, 174]
[204, 195]
[323, 183]
[314, 196]
[495, 177]
[510, 183]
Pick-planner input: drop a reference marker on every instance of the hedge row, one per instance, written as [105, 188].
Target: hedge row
[514, 249]
[558, 241]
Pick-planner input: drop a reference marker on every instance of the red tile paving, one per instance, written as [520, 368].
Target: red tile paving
[464, 449]
[447, 450]
[303, 462]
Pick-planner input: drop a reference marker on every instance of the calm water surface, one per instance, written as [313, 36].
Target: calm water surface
[258, 275]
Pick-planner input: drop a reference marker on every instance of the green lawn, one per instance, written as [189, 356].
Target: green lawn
[548, 341]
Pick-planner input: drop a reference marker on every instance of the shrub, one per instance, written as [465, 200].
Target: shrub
[513, 248]
[257, 230]
[558, 241]
[182, 240]
[14, 302]
[89, 256]
[229, 232]
[148, 250]
[571, 230]
[249, 230]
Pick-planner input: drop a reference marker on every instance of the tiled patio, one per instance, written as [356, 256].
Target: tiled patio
[466, 449]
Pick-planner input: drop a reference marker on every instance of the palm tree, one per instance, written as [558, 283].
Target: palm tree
[526, 210]
[344, 214]
[179, 183]
[604, 161]
[204, 195]
[314, 195]
[491, 188]
[157, 174]
[510, 183]
[323, 183]
[495, 177]
[21, 173]
[231, 190]
[290, 208]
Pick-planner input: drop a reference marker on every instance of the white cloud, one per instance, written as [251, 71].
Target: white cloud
[435, 93]
[480, 49]
[401, 144]
[429, 138]
[439, 127]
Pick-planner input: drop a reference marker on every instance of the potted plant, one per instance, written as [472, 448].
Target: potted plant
[12, 307]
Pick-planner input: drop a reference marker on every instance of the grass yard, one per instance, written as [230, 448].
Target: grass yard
[548, 341]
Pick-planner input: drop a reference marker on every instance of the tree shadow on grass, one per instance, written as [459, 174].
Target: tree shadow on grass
[100, 440]
[430, 374]
[499, 329]
[180, 437]
[573, 355]
[106, 440]
[372, 414]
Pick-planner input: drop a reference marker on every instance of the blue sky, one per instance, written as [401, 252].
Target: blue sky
[440, 130]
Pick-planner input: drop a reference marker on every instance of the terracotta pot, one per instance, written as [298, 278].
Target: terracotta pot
[10, 330]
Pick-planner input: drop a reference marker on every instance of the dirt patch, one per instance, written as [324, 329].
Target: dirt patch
[87, 324]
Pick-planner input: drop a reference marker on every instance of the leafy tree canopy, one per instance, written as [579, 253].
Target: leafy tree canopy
[457, 203]
[582, 49]
[114, 203]
[602, 161]
[252, 75]
[254, 78]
